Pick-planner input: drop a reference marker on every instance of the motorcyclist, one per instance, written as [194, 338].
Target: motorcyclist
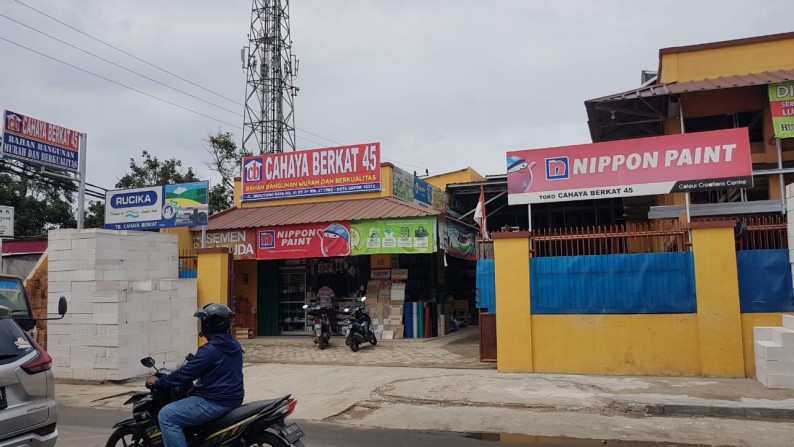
[218, 366]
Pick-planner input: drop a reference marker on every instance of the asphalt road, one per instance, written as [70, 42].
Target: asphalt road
[88, 427]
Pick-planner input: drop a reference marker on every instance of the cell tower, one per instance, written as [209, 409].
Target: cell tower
[271, 68]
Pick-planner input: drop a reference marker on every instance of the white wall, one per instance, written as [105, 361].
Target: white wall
[124, 303]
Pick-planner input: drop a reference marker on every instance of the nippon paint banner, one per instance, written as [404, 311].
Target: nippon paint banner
[178, 205]
[781, 104]
[699, 161]
[316, 172]
[33, 141]
[316, 240]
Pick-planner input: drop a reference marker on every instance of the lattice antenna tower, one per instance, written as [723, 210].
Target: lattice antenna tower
[271, 68]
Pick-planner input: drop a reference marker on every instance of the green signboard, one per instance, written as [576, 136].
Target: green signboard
[781, 103]
[409, 236]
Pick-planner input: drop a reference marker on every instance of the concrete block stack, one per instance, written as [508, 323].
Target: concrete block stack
[774, 354]
[124, 303]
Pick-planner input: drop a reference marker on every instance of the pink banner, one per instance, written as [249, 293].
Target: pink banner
[316, 172]
[318, 240]
[698, 161]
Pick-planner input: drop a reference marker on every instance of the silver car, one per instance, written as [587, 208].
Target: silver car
[27, 391]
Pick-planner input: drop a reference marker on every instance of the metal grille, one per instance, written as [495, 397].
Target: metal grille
[764, 233]
[188, 264]
[650, 237]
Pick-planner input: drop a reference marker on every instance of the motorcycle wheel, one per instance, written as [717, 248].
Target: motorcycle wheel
[265, 438]
[353, 345]
[322, 343]
[372, 340]
[127, 437]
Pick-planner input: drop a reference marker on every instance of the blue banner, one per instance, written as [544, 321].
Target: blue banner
[179, 205]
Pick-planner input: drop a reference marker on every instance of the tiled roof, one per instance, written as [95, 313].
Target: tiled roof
[268, 216]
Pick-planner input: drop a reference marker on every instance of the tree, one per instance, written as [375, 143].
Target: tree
[226, 160]
[150, 172]
[40, 203]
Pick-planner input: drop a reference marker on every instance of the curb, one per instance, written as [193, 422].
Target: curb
[752, 413]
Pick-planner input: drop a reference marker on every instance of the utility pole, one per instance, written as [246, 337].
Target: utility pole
[271, 68]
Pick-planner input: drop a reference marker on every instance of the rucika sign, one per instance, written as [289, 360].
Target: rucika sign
[698, 161]
[316, 172]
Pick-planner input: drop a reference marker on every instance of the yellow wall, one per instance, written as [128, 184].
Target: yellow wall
[659, 344]
[213, 276]
[717, 291]
[466, 175]
[386, 180]
[716, 341]
[726, 61]
[513, 321]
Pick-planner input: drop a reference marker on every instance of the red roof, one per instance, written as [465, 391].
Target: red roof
[268, 216]
[23, 247]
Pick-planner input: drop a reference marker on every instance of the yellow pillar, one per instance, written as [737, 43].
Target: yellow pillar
[513, 320]
[212, 277]
[717, 290]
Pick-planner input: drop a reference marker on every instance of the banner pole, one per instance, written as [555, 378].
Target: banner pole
[81, 193]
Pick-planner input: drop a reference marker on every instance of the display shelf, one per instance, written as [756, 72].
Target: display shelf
[292, 296]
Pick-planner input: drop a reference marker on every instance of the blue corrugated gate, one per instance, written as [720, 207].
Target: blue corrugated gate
[765, 281]
[613, 284]
[486, 285]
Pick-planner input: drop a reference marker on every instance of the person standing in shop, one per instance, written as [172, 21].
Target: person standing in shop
[326, 296]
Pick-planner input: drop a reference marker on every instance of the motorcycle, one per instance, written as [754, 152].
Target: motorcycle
[359, 327]
[321, 331]
[253, 424]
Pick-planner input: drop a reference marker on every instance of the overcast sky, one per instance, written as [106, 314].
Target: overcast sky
[442, 84]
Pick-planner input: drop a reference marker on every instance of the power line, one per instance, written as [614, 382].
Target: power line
[128, 54]
[120, 84]
[117, 65]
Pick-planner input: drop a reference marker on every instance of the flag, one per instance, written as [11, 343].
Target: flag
[479, 214]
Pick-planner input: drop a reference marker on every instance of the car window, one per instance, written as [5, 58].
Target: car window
[12, 296]
[13, 341]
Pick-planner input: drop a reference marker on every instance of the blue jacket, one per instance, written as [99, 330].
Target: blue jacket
[218, 366]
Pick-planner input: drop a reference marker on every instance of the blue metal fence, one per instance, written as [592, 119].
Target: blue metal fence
[613, 284]
[765, 281]
[486, 285]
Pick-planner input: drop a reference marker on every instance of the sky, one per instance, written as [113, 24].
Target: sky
[441, 84]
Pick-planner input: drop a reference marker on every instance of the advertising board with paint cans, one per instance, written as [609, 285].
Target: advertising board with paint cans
[178, 205]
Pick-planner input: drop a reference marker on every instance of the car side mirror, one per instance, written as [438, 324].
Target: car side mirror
[148, 362]
[62, 306]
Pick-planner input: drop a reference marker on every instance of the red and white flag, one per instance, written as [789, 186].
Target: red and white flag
[479, 215]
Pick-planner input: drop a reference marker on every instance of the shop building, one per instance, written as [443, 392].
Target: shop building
[367, 230]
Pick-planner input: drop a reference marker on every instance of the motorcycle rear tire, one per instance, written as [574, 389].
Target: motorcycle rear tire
[265, 438]
[322, 343]
[119, 438]
[353, 345]
[372, 340]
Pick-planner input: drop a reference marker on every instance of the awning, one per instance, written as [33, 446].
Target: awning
[267, 216]
[641, 112]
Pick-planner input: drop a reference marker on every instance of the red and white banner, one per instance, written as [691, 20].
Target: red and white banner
[316, 240]
[315, 172]
[242, 242]
[698, 161]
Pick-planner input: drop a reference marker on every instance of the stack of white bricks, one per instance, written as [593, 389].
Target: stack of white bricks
[774, 354]
[124, 303]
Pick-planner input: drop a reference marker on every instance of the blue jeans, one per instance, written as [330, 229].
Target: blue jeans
[187, 412]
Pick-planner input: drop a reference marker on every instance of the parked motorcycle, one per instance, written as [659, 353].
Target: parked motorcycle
[253, 424]
[359, 327]
[321, 330]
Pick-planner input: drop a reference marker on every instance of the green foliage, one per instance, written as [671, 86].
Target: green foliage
[153, 172]
[40, 204]
[226, 160]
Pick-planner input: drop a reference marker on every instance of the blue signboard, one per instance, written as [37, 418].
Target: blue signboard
[179, 205]
[33, 141]
[423, 192]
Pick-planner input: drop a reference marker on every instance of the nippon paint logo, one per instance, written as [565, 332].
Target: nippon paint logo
[267, 239]
[253, 170]
[557, 168]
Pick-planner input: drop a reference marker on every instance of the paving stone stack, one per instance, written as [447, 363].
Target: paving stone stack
[124, 303]
[36, 290]
[774, 354]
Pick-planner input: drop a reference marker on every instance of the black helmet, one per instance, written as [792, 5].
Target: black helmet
[215, 319]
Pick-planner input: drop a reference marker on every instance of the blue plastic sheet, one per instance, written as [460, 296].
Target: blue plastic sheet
[486, 285]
